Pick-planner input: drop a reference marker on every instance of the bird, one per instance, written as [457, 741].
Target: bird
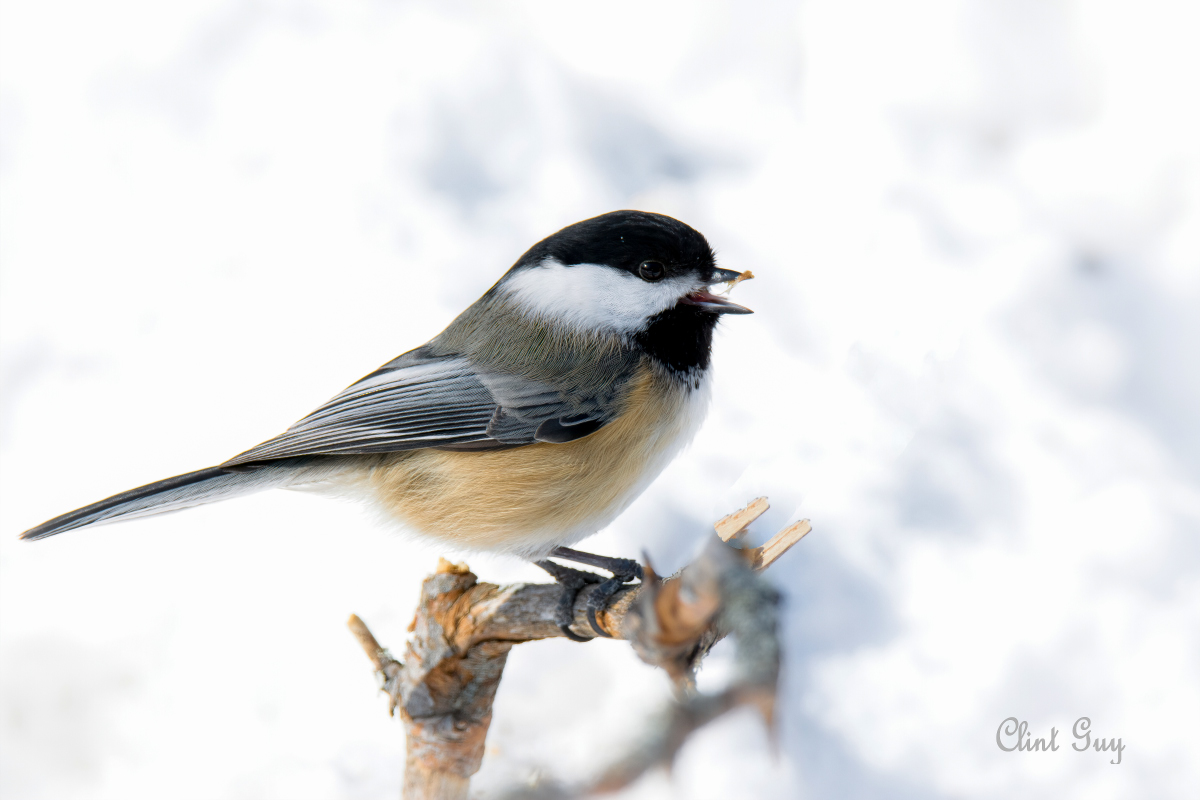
[528, 424]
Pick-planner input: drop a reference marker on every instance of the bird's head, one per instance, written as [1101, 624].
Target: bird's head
[620, 273]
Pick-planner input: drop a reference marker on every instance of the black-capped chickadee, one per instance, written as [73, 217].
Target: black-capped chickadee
[529, 423]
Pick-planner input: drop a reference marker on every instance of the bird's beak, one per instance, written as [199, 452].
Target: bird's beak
[726, 276]
[714, 303]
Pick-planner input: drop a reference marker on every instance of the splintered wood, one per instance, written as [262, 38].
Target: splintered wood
[777, 545]
[735, 526]
[463, 630]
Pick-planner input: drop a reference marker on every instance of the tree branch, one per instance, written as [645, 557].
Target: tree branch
[463, 631]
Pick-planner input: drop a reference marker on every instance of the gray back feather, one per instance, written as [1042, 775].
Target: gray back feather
[494, 378]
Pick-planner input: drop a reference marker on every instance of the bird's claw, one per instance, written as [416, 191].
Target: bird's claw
[571, 581]
[624, 571]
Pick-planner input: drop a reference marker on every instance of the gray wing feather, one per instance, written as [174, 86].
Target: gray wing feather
[420, 401]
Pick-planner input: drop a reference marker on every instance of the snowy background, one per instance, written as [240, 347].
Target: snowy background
[974, 366]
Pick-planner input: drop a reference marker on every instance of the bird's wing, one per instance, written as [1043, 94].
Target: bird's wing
[420, 401]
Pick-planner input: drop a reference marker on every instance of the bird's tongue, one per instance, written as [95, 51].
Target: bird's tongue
[704, 299]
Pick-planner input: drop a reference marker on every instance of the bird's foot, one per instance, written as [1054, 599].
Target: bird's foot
[624, 571]
[571, 581]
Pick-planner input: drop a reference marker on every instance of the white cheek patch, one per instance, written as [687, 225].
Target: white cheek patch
[593, 297]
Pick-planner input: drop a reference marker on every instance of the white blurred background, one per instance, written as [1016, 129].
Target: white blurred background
[974, 366]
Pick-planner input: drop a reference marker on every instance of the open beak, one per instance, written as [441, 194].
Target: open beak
[713, 303]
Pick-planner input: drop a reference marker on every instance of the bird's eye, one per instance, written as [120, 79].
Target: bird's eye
[651, 271]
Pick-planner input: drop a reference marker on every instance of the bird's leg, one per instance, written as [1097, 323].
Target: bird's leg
[571, 581]
[623, 570]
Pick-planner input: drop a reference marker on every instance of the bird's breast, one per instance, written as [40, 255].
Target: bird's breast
[529, 499]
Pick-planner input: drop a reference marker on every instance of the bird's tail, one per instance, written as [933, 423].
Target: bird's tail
[187, 490]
